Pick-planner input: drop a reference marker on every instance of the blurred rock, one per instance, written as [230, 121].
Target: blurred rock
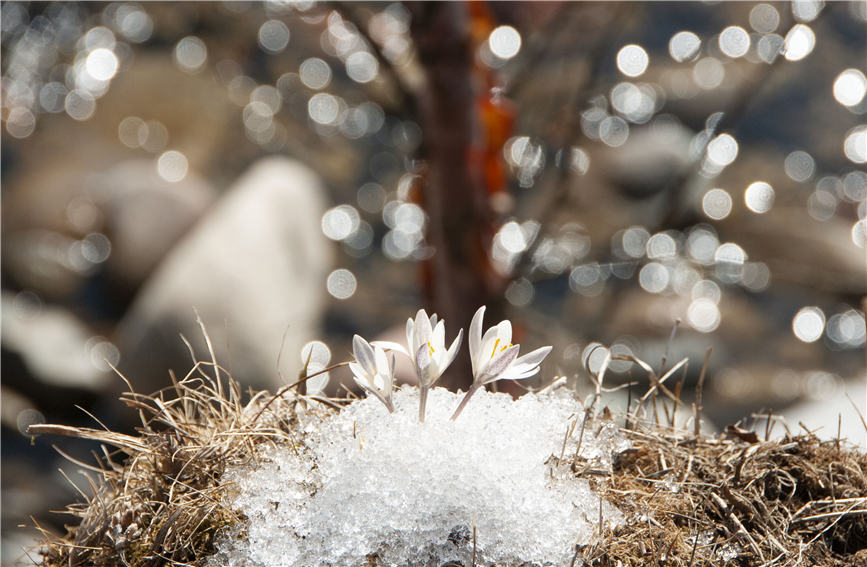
[122, 220]
[57, 348]
[145, 215]
[253, 268]
[821, 415]
[650, 160]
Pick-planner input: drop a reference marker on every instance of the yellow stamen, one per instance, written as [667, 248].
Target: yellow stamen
[430, 346]
[496, 344]
[493, 352]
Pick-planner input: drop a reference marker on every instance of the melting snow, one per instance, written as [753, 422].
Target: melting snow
[364, 483]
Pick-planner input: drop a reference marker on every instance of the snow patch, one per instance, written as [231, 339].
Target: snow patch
[363, 483]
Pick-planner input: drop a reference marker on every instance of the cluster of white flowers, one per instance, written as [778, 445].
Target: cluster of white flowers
[492, 354]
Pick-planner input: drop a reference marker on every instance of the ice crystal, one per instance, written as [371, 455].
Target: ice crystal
[365, 485]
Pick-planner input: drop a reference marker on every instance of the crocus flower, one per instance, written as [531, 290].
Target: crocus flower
[426, 346]
[494, 357]
[372, 370]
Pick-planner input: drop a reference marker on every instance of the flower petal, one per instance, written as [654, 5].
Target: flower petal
[499, 364]
[381, 361]
[423, 328]
[422, 363]
[438, 338]
[357, 371]
[389, 345]
[362, 384]
[504, 332]
[475, 337]
[410, 337]
[452, 352]
[363, 354]
[486, 350]
[533, 359]
[510, 374]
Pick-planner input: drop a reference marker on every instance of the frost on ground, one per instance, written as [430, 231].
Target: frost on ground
[363, 483]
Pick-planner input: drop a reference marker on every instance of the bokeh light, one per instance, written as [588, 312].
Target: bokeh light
[703, 315]
[730, 253]
[102, 64]
[701, 244]
[128, 131]
[341, 283]
[613, 131]
[846, 329]
[855, 144]
[20, 122]
[859, 233]
[756, 276]
[708, 73]
[316, 355]
[172, 166]
[273, 36]
[716, 204]
[632, 60]
[806, 10]
[849, 88]
[323, 108]
[133, 22]
[315, 73]
[759, 197]
[95, 248]
[799, 166]
[683, 46]
[799, 42]
[822, 203]
[722, 150]
[340, 222]
[764, 18]
[505, 42]
[808, 324]
[770, 47]
[734, 41]
[190, 54]
[855, 186]
[362, 67]
[520, 292]
[634, 241]
[79, 104]
[587, 279]
[653, 277]
[661, 245]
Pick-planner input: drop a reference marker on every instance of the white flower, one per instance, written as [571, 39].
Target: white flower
[372, 370]
[494, 357]
[426, 346]
[426, 339]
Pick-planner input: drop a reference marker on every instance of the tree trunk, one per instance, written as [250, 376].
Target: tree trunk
[459, 278]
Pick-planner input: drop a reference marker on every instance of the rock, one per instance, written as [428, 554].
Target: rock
[134, 199]
[56, 347]
[651, 159]
[820, 415]
[253, 268]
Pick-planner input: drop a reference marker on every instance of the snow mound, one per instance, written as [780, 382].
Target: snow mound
[364, 484]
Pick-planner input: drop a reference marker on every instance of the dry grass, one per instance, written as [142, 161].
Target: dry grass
[715, 501]
[157, 497]
[690, 500]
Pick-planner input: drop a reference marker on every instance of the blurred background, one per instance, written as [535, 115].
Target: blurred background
[641, 179]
